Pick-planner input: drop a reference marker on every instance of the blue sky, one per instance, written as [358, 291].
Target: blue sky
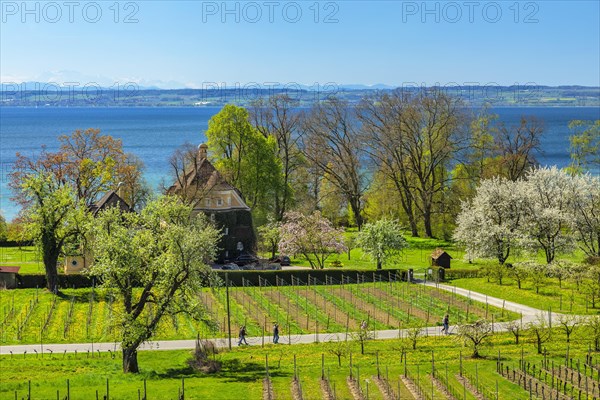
[193, 43]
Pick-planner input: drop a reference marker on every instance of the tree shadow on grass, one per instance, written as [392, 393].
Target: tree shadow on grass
[231, 371]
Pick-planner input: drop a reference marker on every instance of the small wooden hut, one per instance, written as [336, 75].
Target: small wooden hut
[439, 258]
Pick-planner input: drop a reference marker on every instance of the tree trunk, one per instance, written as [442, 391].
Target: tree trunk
[427, 223]
[378, 264]
[50, 257]
[130, 362]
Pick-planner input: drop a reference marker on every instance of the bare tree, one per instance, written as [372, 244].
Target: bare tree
[475, 335]
[592, 323]
[568, 323]
[413, 335]
[540, 328]
[415, 138]
[330, 141]
[276, 117]
[516, 328]
[184, 163]
[517, 146]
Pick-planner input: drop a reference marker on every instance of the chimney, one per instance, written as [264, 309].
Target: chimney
[202, 151]
[120, 190]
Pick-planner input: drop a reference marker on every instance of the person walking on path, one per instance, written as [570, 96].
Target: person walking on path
[445, 323]
[242, 335]
[276, 333]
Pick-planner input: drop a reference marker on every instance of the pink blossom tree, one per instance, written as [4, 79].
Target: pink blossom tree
[311, 236]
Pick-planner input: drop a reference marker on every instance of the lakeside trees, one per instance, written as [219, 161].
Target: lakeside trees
[55, 189]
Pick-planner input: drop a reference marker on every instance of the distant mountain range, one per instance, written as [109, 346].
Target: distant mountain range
[40, 94]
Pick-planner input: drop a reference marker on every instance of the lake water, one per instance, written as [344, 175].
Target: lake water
[154, 133]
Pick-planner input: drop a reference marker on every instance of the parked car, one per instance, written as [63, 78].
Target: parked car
[285, 261]
[244, 259]
[230, 267]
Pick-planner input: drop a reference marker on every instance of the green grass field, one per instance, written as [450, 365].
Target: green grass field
[566, 299]
[244, 369]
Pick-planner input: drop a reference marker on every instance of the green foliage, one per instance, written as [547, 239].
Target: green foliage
[381, 240]
[268, 236]
[585, 145]
[54, 219]
[163, 249]
[245, 157]
[3, 228]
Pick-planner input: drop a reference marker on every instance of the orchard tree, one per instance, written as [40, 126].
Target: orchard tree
[475, 335]
[382, 240]
[585, 214]
[312, 236]
[489, 224]
[163, 251]
[549, 194]
[53, 217]
[519, 272]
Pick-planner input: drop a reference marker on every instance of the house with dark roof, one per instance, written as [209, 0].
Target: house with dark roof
[440, 258]
[75, 264]
[205, 188]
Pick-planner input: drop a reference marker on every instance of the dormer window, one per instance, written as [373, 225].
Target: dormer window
[229, 200]
[219, 202]
[207, 202]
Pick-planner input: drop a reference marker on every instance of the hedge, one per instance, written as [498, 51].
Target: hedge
[241, 278]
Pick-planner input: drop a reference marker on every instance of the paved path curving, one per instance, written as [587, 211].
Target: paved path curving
[529, 314]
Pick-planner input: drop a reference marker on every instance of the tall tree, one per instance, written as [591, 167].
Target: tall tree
[381, 240]
[162, 250]
[517, 147]
[415, 138]
[278, 118]
[331, 142]
[382, 127]
[53, 217]
[245, 157]
[585, 145]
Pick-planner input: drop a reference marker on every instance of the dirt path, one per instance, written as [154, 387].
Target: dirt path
[467, 384]
[354, 389]
[296, 390]
[326, 389]
[409, 384]
[384, 388]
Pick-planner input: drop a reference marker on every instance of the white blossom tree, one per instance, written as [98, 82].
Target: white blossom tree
[381, 240]
[311, 236]
[586, 213]
[489, 224]
[549, 194]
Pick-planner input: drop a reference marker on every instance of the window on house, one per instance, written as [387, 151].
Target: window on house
[207, 202]
[229, 200]
[226, 231]
[219, 202]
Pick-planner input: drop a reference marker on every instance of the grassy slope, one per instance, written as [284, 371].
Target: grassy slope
[565, 299]
[244, 369]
